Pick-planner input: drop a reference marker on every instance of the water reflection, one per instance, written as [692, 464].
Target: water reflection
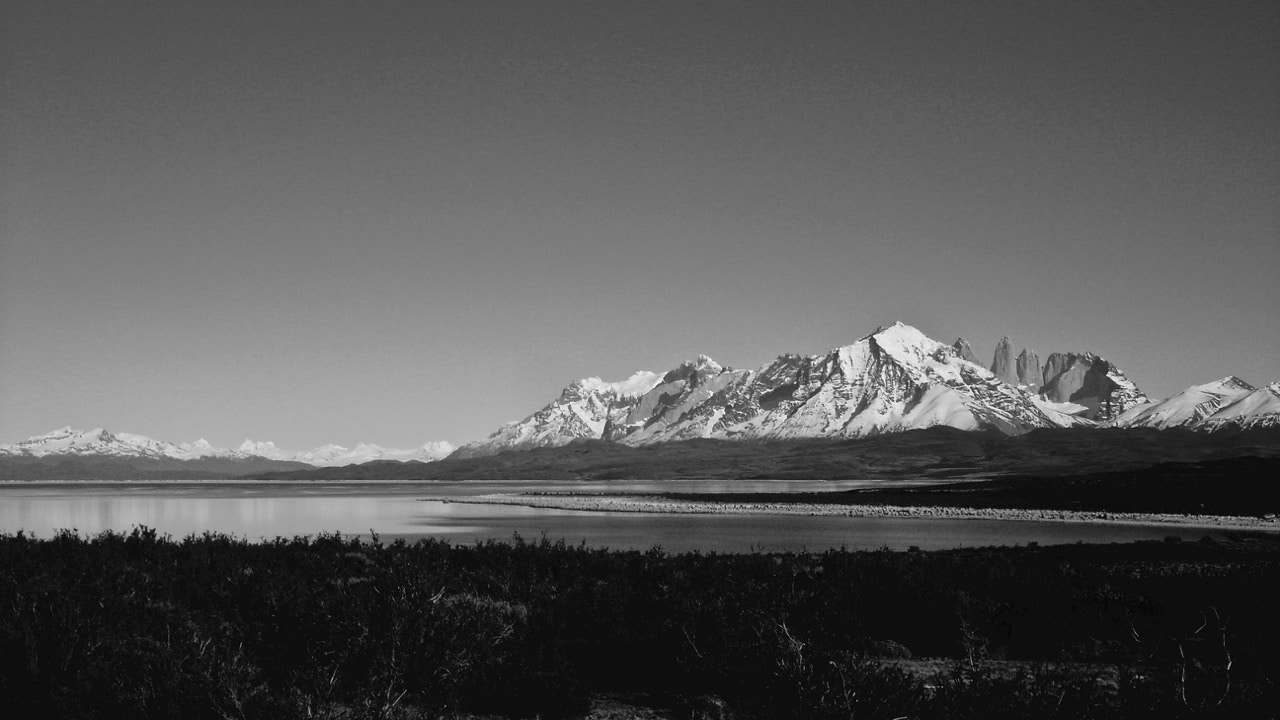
[269, 510]
[234, 511]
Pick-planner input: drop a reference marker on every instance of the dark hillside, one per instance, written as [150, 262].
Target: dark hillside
[1248, 486]
[937, 453]
[83, 467]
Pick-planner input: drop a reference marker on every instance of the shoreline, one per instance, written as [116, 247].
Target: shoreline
[215, 481]
[658, 505]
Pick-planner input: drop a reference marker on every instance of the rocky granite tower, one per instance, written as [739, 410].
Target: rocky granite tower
[1029, 372]
[1086, 379]
[1002, 364]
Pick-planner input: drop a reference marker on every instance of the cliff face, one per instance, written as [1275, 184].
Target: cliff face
[1086, 379]
[1029, 372]
[1002, 364]
[1081, 378]
[1025, 370]
[1054, 366]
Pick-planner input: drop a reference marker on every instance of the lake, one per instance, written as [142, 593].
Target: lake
[395, 510]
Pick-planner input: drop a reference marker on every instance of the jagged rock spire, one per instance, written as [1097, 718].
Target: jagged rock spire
[1002, 363]
[1029, 372]
[961, 346]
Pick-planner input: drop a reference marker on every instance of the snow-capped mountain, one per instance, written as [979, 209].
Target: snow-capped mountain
[101, 443]
[337, 455]
[893, 380]
[1189, 408]
[584, 410]
[267, 449]
[1258, 409]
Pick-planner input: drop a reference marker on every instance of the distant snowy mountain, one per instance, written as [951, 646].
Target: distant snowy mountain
[1189, 408]
[583, 410]
[1258, 409]
[893, 380]
[100, 443]
[267, 450]
[337, 455]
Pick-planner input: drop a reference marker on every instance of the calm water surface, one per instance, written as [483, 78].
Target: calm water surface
[393, 510]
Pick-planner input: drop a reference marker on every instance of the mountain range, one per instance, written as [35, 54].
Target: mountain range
[103, 444]
[893, 380]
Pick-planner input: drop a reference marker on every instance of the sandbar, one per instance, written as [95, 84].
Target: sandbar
[652, 504]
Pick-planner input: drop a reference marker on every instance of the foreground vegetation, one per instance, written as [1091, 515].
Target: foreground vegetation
[143, 626]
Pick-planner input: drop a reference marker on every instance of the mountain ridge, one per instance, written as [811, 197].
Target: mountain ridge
[101, 443]
[891, 380]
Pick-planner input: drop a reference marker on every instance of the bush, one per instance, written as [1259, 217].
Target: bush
[145, 626]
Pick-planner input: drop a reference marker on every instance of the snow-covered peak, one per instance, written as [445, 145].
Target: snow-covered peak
[438, 449]
[325, 455]
[102, 443]
[98, 441]
[1260, 408]
[202, 448]
[1229, 385]
[333, 455]
[898, 329]
[1231, 382]
[337, 455]
[903, 342]
[62, 432]
[1187, 408]
[705, 364]
[62, 441]
[267, 449]
[634, 386]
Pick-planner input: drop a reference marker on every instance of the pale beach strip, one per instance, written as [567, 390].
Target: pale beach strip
[651, 504]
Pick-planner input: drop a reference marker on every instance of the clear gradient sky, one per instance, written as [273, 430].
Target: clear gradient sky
[396, 222]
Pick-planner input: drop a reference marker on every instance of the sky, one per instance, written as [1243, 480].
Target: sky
[399, 222]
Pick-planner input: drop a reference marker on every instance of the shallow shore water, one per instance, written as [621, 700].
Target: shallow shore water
[636, 515]
[651, 504]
